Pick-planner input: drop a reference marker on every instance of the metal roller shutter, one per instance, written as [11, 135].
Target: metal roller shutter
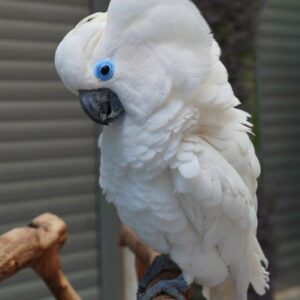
[279, 48]
[48, 153]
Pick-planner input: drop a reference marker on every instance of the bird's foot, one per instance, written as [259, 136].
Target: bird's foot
[151, 286]
[175, 288]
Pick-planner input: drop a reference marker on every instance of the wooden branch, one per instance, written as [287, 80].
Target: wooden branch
[144, 256]
[38, 246]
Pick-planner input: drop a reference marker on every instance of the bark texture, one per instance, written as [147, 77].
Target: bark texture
[37, 246]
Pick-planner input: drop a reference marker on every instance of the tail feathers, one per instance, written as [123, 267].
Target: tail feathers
[260, 277]
[252, 270]
[225, 291]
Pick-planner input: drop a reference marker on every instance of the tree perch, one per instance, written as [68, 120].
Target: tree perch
[38, 246]
[144, 256]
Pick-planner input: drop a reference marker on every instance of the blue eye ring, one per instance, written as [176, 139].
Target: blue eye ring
[104, 69]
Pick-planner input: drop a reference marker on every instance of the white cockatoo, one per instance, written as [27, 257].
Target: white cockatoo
[176, 159]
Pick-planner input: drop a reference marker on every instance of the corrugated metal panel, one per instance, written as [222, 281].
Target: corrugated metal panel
[48, 156]
[279, 47]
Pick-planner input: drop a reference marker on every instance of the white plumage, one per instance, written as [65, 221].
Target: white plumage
[179, 165]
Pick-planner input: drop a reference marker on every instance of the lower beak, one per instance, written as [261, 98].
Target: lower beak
[101, 105]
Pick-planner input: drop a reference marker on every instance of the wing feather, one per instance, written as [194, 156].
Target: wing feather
[219, 205]
[213, 181]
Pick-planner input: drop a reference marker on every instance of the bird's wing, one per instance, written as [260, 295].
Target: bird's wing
[200, 171]
[225, 127]
[239, 151]
[218, 204]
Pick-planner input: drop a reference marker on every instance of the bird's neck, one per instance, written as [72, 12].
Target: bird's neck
[151, 145]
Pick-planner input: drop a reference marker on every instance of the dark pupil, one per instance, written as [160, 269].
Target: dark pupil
[105, 70]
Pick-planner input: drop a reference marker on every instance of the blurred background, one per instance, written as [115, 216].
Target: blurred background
[48, 148]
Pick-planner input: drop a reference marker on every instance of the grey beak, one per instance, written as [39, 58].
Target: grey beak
[101, 105]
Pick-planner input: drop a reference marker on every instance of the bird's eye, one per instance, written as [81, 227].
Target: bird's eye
[104, 69]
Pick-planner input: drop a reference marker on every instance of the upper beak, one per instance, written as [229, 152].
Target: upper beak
[101, 105]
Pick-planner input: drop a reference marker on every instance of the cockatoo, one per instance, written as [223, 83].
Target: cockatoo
[176, 159]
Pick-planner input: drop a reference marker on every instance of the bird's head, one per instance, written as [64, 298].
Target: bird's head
[131, 60]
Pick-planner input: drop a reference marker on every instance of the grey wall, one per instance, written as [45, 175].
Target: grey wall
[279, 49]
[48, 153]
